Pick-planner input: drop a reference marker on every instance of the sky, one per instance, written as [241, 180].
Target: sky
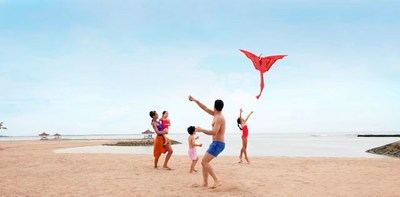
[99, 67]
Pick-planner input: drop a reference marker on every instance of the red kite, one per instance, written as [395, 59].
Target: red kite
[262, 64]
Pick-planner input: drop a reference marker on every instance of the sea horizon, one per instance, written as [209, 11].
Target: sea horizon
[259, 144]
[295, 144]
[230, 133]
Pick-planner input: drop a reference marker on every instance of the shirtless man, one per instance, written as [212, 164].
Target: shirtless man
[218, 144]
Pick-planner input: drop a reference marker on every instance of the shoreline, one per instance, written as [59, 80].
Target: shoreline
[311, 147]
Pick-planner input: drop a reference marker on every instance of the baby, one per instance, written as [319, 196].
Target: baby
[165, 123]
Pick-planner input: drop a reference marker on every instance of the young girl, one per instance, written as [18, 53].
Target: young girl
[165, 123]
[192, 148]
[243, 126]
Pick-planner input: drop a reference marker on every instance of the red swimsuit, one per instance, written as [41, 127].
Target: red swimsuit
[165, 123]
[245, 131]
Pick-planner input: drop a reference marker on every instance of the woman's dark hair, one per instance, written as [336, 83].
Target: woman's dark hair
[191, 129]
[219, 104]
[164, 112]
[238, 122]
[152, 113]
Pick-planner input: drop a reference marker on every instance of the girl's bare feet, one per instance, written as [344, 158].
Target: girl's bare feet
[167, 168]
[216, 184]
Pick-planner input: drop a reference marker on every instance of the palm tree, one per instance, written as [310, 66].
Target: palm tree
[1, 126]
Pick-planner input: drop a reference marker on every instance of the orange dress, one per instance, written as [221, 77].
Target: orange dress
[159, 145]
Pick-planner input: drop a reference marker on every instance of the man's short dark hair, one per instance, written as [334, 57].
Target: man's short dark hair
[191, 130]
[218, 105]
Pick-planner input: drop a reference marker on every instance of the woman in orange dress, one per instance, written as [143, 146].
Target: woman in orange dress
[159, 142]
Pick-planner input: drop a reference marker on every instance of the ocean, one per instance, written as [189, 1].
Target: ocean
[259, 144]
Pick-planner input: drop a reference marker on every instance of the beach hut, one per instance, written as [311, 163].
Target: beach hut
[147, 134]
[57, 136]
[44, 136]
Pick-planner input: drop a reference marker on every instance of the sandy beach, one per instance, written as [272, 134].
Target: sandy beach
[31, 168]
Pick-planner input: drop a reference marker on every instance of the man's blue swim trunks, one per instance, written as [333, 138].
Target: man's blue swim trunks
[216, 148]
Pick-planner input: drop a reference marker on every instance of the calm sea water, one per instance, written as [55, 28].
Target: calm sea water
[293, 145]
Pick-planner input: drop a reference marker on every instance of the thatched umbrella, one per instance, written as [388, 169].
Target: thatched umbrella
[57, 136]
[44, 135]
[148, 134]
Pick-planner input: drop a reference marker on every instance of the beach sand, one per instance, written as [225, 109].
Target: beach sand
[31, 168]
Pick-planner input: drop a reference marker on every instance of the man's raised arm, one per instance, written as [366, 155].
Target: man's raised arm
[202, 106]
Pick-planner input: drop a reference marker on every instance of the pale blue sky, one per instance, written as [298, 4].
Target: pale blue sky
[96, 67]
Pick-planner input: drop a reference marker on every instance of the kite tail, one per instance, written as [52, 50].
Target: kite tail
[261, 84]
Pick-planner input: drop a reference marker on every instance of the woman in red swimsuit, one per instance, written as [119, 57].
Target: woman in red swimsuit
[243, 126]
